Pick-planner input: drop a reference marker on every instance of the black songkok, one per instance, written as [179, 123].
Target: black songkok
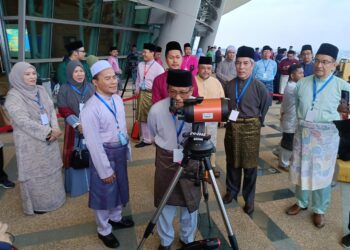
[266, 47]
[245, 51]
[329, 50]
[150, 46]
[74, 46]
[113, 48]
[179, 78]
[306, 47]
[205, 60]
[158, 49]
[187, 45]
[173, 45]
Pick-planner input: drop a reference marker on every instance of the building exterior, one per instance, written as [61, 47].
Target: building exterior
[36, 30]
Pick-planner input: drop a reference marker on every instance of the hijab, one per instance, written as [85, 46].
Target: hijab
[29, 93]
[68, 97]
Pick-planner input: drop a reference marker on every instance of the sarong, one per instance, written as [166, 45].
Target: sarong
[143, 105]
[185, 193]
[315, 149]
[242, 141]
[105, 196]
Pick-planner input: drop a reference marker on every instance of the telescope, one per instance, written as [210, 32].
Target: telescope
[198, 110]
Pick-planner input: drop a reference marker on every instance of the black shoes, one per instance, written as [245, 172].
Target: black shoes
[109, 240]
[123, 223]
[7, 184]
[164, 248]
[142, 144]
[227, 198]
[346, 241]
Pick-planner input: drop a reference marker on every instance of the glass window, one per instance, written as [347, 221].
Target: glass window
[10, 7]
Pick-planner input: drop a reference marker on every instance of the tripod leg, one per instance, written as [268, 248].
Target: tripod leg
[125, 84]
[231, 236]
[163, 202]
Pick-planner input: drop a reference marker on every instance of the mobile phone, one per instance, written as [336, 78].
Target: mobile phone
[345, 96]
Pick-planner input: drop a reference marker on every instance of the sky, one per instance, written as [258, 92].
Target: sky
[286, 22]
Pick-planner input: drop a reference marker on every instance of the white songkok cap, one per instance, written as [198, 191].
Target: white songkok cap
[231, 48]
[99, 66]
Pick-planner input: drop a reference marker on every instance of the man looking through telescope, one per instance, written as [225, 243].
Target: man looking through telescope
[168, 131]
[249, 102]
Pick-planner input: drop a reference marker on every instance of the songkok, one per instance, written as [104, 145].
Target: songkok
[245, 51]
[306, 47]
[113, 48]
[231, 48]
[158, 49]
[173, 45]
[329, 50]
[205, 60]
[150, 46]
[73, 46]
[266, 47]
[179, 78]
[91, 59]
[99, 66]
[187, 45]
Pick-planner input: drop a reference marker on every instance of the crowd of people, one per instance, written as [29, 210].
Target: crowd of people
[95, 121]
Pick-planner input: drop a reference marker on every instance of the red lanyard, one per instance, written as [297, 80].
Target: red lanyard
[145, 71]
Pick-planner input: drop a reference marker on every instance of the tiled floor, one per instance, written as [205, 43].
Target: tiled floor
[73, 226]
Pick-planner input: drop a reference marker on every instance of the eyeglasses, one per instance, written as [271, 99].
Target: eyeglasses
[180, 93]
[323, 62]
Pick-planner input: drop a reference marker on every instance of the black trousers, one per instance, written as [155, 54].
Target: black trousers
[3, 175]
[233, 182]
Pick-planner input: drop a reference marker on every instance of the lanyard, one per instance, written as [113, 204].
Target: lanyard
[266, 66]
[238, 97]
[39, 103]
[315, 91]
[145, 72]
[114, 112]
[78, 91]
[178, 130]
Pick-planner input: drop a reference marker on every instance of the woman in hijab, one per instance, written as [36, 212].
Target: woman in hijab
[71, 99]
[35, 131]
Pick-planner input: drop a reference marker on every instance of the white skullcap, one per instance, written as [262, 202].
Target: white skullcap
[231, 48]
[99, 66]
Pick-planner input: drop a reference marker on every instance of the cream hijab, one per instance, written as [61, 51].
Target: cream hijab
[29, 93]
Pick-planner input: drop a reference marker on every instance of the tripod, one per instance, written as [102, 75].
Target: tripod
[197, 147]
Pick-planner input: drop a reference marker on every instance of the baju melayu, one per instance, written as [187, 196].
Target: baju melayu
[242, 138]
[146, 73]
[210, 88]
[288, 124]
[265, 71]
[115, 65]
[160, 87]
[168, 134]
[226, 71]
[159, 60]
[105, 132]
[316, 139]
[190, 63]
[308, 68]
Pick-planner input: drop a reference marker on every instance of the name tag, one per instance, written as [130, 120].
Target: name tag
[310, 115]
[44, 119]
[234, 115]
[178, 155]
[81, 106]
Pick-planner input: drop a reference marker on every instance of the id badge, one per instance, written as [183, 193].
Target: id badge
[178, 155]
[81, 106]
[143, 85]
[264, 75]
[122, 138]
[44, 119]
[310, 115]
[234, 115]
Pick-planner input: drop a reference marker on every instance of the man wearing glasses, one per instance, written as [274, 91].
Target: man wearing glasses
[168, 132]
[75, 52]
[316, 139]
[307, 56]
